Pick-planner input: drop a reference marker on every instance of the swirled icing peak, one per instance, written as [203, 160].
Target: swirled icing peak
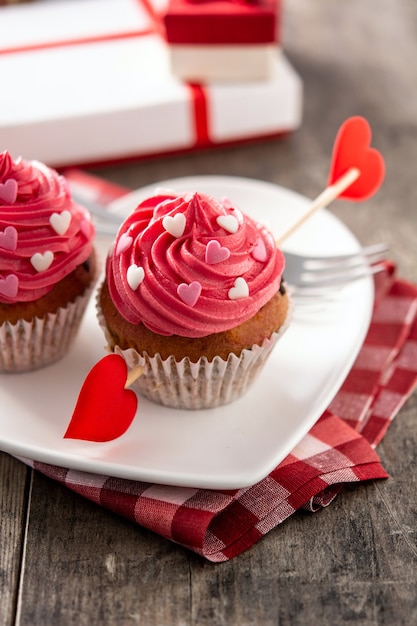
[191, 265]
[44, 235]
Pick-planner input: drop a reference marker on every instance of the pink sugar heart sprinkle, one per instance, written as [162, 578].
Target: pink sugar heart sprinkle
[216, 253]
[9, 286]
[8, 191]
[189, 293]
[8, 238]
[259, 251]
[124, 243]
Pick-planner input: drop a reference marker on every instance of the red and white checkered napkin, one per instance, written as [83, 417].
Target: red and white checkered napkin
[338, 449]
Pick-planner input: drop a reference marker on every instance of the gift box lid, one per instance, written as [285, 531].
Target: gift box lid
[222, 21]
[87, 91]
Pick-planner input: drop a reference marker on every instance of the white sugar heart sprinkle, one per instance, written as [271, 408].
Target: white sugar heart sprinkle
[135, 275]
[240, 289]
[174, 225]
[60, 222]
[8, 238]
[189, 293]
[42, 260]
[124, 243]
[229, 223]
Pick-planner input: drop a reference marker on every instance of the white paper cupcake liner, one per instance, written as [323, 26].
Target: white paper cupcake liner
[200, 385]
[26, 346]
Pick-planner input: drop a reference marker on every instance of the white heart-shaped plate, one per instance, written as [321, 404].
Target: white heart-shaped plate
[225, 448]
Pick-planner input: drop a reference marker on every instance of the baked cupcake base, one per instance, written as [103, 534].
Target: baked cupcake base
[201, 385]
[210, 381]
[26, 346]
[34, 336]
[121, 332]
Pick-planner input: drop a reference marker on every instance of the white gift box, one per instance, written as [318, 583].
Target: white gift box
[89, 81]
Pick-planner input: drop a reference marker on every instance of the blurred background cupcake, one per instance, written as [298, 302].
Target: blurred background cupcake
[48, 265]
[193, 293]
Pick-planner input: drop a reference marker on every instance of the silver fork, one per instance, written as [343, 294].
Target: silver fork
[310, 275]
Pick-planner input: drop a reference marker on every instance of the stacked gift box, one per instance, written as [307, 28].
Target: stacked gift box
[227, 40]
[94, 81]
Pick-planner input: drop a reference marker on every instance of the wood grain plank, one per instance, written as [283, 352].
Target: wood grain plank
[13, 510]
[85, 566]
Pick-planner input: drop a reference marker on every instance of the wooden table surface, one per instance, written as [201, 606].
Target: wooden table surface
[64, 560]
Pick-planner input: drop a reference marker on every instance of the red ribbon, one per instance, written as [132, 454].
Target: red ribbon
[201, 125]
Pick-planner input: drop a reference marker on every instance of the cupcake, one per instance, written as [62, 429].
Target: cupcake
[47, 265]
[193, 293]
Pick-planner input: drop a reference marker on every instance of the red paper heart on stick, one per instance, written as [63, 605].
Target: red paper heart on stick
[104, 409]
[352, 149]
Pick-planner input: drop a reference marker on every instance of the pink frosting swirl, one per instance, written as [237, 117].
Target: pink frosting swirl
[44, 235]
[192, 266]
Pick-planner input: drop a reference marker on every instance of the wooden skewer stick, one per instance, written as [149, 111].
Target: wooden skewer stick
[133, 375]
[324, 199]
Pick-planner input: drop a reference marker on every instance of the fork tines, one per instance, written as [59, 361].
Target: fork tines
[368, 254]
[313, 275]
